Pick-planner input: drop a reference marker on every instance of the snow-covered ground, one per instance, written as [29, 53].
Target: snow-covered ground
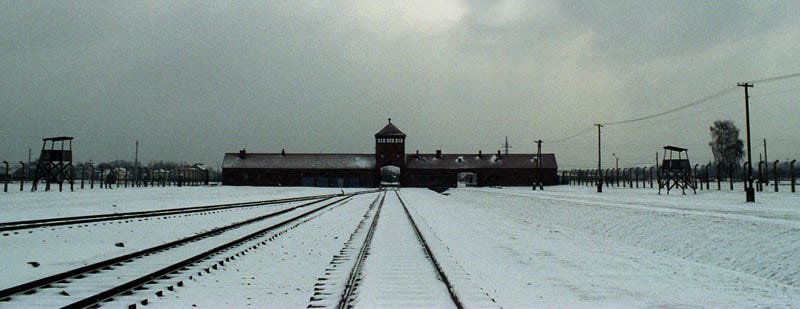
[566, 246]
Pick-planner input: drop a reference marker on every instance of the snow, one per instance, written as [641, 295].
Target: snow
[565, 246]
[396, 272]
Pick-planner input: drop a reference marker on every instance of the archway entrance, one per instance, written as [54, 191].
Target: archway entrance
[390, 176]
[467, 179]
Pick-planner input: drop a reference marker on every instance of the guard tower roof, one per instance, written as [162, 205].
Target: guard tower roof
[674, 148]
[390, 131]
[59, 138]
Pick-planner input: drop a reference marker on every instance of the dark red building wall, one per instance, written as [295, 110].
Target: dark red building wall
[486, 177]
[292, 177]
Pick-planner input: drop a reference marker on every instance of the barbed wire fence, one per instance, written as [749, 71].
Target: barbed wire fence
[777, 175]
[19, 177]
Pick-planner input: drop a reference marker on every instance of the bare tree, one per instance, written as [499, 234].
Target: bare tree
[725, 143]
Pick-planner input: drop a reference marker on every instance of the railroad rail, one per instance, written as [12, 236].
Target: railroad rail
[248, 232]
[355, 272]
[339, 289]
[50, 222]
[433, 260]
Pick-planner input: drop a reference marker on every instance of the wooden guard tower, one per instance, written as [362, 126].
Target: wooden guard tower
[55, 165]
[676, 172]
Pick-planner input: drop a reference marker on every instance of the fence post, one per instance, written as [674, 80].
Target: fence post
[651, 176]
[745, 167]
[791, 170]
[624, 180]
[761, 175]
[5, 181]
[585, 177]
[630, 177]
[719, 181]
[22, 176]
[708, 176]
[775, 172]
[91, 176]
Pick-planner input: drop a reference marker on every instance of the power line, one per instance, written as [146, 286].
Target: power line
[772, 79]
[583, 132]
[698, 102]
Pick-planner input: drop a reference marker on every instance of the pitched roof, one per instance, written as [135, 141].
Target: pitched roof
[390, 131]
[300, 161]
[473, 161]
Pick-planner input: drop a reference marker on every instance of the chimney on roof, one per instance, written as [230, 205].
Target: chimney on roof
[438, 153]
[283, 152]
[480, 153]
[417, 153]
[498, 156]
[242, 153]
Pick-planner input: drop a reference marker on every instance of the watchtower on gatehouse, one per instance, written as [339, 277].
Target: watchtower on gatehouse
[390, 153]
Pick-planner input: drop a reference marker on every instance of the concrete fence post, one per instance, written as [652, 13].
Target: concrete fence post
[791, 171]
[775, 173]
[624, 180]
[22, 177]
[761, 175]
[630, 178]
[5, 181]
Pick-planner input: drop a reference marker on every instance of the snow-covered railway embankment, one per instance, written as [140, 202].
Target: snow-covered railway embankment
[118, 279]
[389, 261]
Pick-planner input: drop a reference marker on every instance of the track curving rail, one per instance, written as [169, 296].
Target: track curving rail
[50, 222]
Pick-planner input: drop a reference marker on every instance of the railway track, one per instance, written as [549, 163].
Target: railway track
[386, 260]
[122, 276]
[6, 227]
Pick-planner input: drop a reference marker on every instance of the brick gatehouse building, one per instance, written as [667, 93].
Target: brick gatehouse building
[390, 164]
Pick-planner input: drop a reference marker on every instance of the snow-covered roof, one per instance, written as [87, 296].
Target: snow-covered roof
[473, 161]
[299, 161]
[390, 130]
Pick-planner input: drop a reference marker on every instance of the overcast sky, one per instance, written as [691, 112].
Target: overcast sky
[193, 80]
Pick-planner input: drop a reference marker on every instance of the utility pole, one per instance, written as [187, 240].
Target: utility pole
[599, 165]
[750, 193]
[539, 165]
[506, 145]
[766, 165]
[136, 165]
